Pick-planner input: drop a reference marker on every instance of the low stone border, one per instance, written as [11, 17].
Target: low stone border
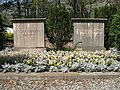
[58, 76]
[60, 81]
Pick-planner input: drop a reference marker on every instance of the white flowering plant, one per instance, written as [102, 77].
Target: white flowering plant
[60, 61]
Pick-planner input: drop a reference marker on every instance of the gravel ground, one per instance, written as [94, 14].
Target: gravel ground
[85, 84]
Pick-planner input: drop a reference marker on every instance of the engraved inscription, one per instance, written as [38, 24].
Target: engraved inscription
[28, 34]
[90, 34]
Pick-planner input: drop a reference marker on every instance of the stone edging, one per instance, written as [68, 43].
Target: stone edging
[58, 76]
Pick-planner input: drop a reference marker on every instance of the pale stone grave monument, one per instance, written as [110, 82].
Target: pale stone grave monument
[29, 34]
[88, 33]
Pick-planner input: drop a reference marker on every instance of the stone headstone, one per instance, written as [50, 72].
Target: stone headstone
[28, 33]
[88, 33]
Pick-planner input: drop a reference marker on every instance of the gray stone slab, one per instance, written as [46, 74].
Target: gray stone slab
[89, 32]
[28, 33]
[59, 76]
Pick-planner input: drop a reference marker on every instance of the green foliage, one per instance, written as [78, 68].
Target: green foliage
[117, 39]
[9, 39]
[59, 25]
[82, 8]
[115, 31]
[2, 30]
[39, 8]
[9, 36]
[106, 12]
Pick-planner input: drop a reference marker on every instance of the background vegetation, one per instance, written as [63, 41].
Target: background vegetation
[81, 9]
[59, 25]
[3, 24]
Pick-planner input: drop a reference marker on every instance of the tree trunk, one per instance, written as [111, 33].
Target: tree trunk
[19, 8]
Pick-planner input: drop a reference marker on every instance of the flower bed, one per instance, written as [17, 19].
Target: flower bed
[60, 61]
